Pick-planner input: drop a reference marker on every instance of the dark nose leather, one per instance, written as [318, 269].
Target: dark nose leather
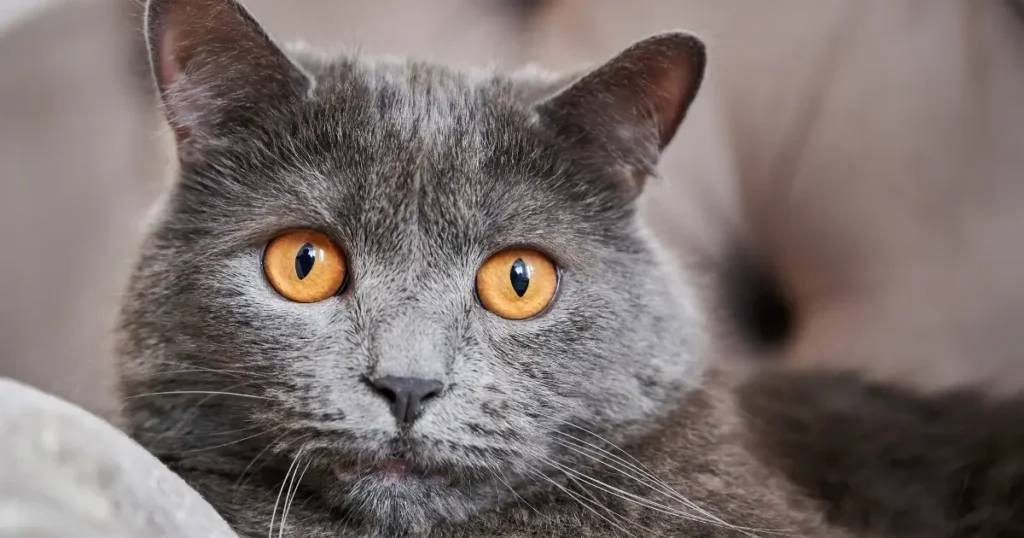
[406, 394]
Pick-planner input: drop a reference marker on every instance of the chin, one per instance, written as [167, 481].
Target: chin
[395, 500]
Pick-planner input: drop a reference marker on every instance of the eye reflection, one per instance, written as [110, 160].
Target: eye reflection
[304, 261]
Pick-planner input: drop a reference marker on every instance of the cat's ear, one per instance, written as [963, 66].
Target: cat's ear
[214, 66]
[629, 108]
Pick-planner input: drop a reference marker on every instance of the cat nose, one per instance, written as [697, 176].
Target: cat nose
[406, 394]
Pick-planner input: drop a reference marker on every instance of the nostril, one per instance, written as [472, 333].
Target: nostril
[381, 389]
[432, 392]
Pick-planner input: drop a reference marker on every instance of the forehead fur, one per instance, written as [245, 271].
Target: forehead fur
[391, 145]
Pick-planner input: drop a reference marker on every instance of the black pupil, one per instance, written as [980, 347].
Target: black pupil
[520, 277]
[304, 260]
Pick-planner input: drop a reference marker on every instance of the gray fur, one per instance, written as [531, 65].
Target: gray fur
[420, 173]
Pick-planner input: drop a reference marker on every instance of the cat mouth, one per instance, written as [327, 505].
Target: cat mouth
[406, 461]
[400, 466]
[396, 466]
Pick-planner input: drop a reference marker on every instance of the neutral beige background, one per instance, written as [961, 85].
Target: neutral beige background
[877, 145]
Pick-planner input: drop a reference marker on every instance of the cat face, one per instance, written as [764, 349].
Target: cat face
[404, 380]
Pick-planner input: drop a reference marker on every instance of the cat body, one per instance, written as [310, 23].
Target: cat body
[414, 398]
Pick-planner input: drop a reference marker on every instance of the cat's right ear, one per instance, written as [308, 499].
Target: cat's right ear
[215, 67]
[628, 110]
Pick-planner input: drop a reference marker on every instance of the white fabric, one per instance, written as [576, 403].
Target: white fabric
[65, 473]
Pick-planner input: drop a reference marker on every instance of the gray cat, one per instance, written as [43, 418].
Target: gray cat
[387, 298]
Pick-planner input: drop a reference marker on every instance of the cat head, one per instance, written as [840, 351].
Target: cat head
[413, 280]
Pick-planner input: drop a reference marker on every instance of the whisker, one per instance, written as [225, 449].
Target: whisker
[707, 518]
[195, 392]
[290, 499]
[195, 367]
[208, 395]
[658, 484]
[291, 469]
[195, 435]
[596, 502]
[575, 497]
[601, 456]
[239, 482]
[640, 468]
[225, 373]
[236, 441]
[625, 495]
[517, 495]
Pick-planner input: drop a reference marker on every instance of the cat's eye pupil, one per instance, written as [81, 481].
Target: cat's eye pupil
[520, 277]
[304, 260]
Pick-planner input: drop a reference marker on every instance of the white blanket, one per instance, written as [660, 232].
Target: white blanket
[65, 473]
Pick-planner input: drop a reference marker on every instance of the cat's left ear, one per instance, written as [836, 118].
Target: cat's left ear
[628, 110]
[215, 67]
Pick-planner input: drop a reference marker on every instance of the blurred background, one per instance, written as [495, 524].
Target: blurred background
[873, 149]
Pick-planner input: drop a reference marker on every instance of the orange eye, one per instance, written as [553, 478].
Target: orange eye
[304, 266]
[517, 283]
